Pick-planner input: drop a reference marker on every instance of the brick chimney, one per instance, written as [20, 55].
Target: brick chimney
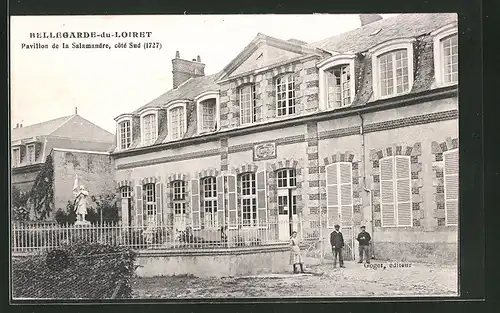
[183, 70]
[369, 18]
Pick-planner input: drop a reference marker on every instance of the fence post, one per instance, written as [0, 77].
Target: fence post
[15, 236]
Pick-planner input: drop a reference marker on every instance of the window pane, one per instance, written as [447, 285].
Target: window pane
[285, 95]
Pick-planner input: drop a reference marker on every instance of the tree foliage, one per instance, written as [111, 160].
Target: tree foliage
[41, 196]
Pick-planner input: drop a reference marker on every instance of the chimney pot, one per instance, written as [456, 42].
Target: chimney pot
[17, 125]
[194, 60]
[177, 54]
[184, 69]
[198, 59]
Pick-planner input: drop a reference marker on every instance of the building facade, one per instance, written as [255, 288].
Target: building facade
[357, 129]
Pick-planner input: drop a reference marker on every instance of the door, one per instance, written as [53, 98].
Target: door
[287, 213]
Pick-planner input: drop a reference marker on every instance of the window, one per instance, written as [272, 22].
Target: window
[393, 70]
[451, 190]
[125, 192]
[285, 95]
[209, 201]
[248, 112]
[392, 64]
[395, 191]
[286, 178]
[177, 123]
[125, 137]
[248, 199]
[179, 197]
[149, 202]
[446, 54]
[208, 115]
[339, 85]
[339, 194]
[149, 127]
[30, 153]
[16, 157]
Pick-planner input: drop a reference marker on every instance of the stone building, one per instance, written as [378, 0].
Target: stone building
[357, 129]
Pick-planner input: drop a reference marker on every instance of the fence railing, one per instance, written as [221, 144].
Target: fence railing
[35, 237]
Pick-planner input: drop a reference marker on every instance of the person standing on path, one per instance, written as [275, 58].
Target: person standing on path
[337, 242]
[295, 254]
[364, 243]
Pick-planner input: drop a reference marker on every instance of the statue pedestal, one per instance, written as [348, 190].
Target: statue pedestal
[82, 223]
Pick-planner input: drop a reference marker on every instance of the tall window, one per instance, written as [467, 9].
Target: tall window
[393, 72]
[451, 190]
[449, 46]
[177, 123]
[395, 191]
[339, 194]
[248, 199]
[209, 200]
[149, 202]
[208, 111]
[125, 135]
[16, 157]
[30, 153]
[149, 129]
[248, 112]
[339, 86]
[285, 95]
[179, 197]
[125, 192]
[286, 178]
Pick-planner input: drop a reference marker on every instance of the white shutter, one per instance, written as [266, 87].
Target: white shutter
[261, 198]
[232, 202]
[451, 186]
[387, 205]
[159, 203]
[346, 201]
[139, 209]
[403, 191]
[195, 204]
[220, 200]
[332, 195]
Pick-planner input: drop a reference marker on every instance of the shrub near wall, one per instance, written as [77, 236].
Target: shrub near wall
[79, 271]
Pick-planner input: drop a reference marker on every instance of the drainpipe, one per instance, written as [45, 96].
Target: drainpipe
[367, 190]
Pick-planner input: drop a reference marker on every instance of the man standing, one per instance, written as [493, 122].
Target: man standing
[337, 242]
[364, 242]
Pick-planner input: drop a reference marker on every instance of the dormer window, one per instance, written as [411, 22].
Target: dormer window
[16, 157]
[392, 66]
[446, 55]
[336, 81]
[177, 121]
[30, 153]
[208, 111]
[285, 95]
[149, 129]
[125, 136]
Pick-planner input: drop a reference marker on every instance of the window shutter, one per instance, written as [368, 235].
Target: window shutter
[332, 195]
[261, 198]
[451, 186]
[138, 206]
[195, 204]
[346, 213]
[403, 191]
[387, 204]
[220, 200]
[231, 203]
[159, 203]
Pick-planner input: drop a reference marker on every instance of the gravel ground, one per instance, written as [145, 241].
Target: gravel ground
[356, 280]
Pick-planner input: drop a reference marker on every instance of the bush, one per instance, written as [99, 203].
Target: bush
[66, 217]
[81, 270]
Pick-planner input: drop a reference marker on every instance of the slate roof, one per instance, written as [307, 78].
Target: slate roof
[400, 26]
[189, 90]
[40, 129]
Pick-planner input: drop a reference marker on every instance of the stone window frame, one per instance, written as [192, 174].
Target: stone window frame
[330, 63]
[199, 110]
[119, 120]
[416, 173]
[387, 47]
[170, 107]
[438, 36]
[437, 150]
[295, 98]
[142, 115]
[237, 172]
[357, 188]
[253, 102]
[170, 212]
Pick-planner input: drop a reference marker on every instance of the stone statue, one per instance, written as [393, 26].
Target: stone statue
[81, 203]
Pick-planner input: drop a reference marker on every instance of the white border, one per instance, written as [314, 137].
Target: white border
[388, 46]
[336, 60]
[440, 34]
[202, 97]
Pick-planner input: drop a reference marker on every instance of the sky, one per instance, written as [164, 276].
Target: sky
[104, 83]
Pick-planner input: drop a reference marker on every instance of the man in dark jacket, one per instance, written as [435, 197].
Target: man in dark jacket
[364, 243]
[337, 242]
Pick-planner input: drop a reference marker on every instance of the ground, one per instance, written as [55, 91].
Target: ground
[355, 280]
